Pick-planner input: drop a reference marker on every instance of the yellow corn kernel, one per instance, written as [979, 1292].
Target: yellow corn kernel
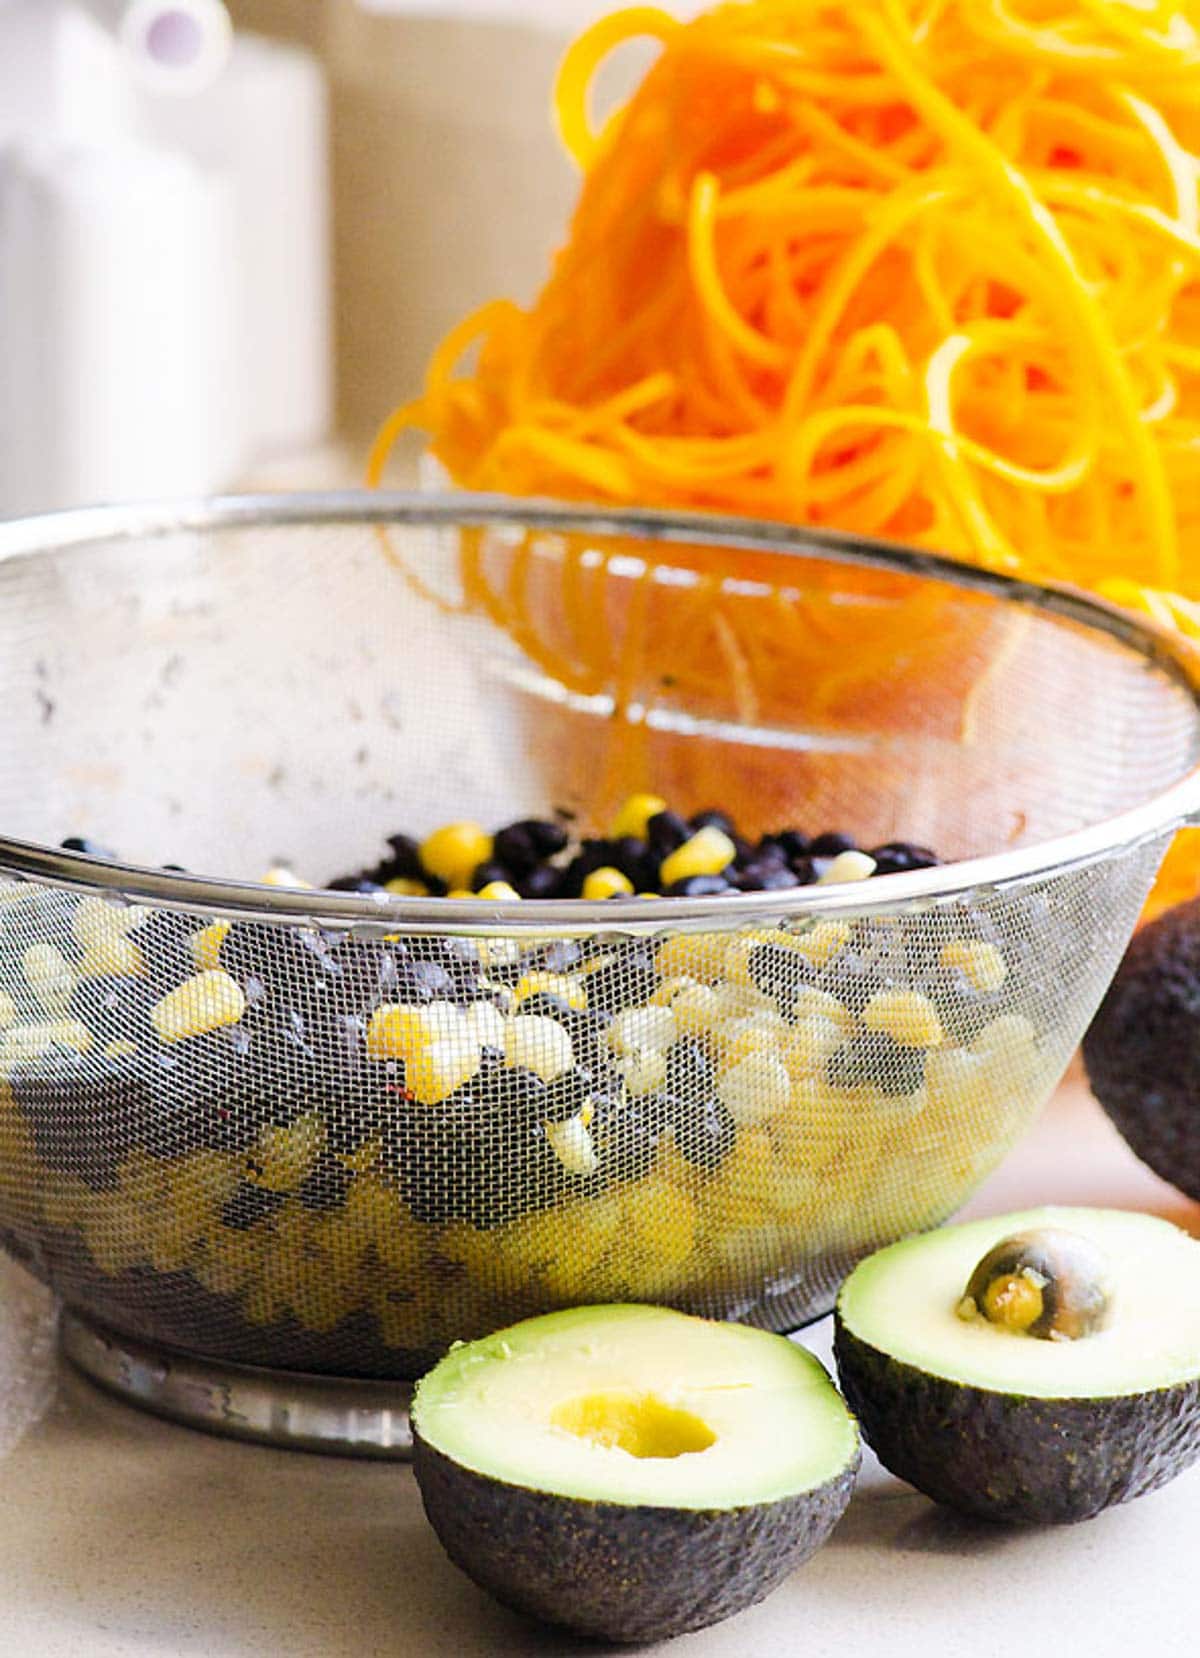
[282, 1158]
[49, 975]
[662, 1220]
[607, 882]
[810, 1043]
[484, 1023]
[200, 1004]
[439, 1068]
[665, 993]
[812, 1003]
[638, 1028]
[280, 876]
[735, 1001]
[462, 892]
[648, 895]
[112, 957]
[708, 852]
[823, 941]
[403, 887]
[693, 955]
[906, 1016]
[756, 1089]
[696, 1009]
[500, 892]
[735, 968]
[539, 1044]
[400, 1030]
[756, 1033]
[121, 1048]
[581, 1233]
[847, 866]
[565, 986]
[634, 816]
[643, 1072]
[982, 965]
[572, 1145]
[455, 851]
[25, 1042]
[206, 944]
[8, 1010]
[740, 1190]
[1006, 1037]
[96, 918]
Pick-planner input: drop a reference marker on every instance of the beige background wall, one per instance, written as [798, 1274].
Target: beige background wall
[449, 186]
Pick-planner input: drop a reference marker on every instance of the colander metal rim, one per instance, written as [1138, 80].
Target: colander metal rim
[211, 894]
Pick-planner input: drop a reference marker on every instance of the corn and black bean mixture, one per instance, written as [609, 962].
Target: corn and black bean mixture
[434, 1132]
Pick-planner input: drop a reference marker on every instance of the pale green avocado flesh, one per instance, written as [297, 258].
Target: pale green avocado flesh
[631, 1472]
[1008, 1426]
[754, 1416]
[904, 1300]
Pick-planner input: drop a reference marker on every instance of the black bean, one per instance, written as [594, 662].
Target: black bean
[665, 831]
[699, 886]
[896, 857]
[875, 1059]
[566, 1095]
[626, 1136]
[354, 883]
[249, 1205]
[689, 1069]
[765, 878]
[706, 1134]
[793, 844]
[778, 969]
[561, 955]
[544, 882]
[405, 862]
[89, 848]
[492, 870]
[511, 1091]
[522, 845]
[327, 1186]
[635, 860]
[115, 1007]
[551, 1007]
[627, 979]
[713, 820]
[830, 844]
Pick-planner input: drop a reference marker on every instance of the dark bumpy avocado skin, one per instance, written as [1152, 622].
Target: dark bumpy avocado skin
[1143, 1050]
[620, 1573]
[1018, 1460]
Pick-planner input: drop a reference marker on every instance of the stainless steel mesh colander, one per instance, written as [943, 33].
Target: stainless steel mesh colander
[296, 1129]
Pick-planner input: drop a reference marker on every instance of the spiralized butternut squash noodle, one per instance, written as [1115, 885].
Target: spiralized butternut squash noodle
[927, 269]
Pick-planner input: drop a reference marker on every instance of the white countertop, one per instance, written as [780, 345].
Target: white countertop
[123, 1537]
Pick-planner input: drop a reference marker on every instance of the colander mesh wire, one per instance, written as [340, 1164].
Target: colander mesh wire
[239, 1138]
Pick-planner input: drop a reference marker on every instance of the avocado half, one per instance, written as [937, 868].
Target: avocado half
[1000, 1424]
[630, 1472]
[1142, 1051]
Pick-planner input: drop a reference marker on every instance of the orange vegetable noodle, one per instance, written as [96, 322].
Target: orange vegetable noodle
[924, 269]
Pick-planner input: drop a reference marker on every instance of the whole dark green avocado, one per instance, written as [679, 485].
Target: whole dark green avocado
[1142, 1052]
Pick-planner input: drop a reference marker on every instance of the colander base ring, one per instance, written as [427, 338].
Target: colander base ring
[287, 1409]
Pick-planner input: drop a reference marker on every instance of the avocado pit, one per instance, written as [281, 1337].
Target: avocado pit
[1049, 1283]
